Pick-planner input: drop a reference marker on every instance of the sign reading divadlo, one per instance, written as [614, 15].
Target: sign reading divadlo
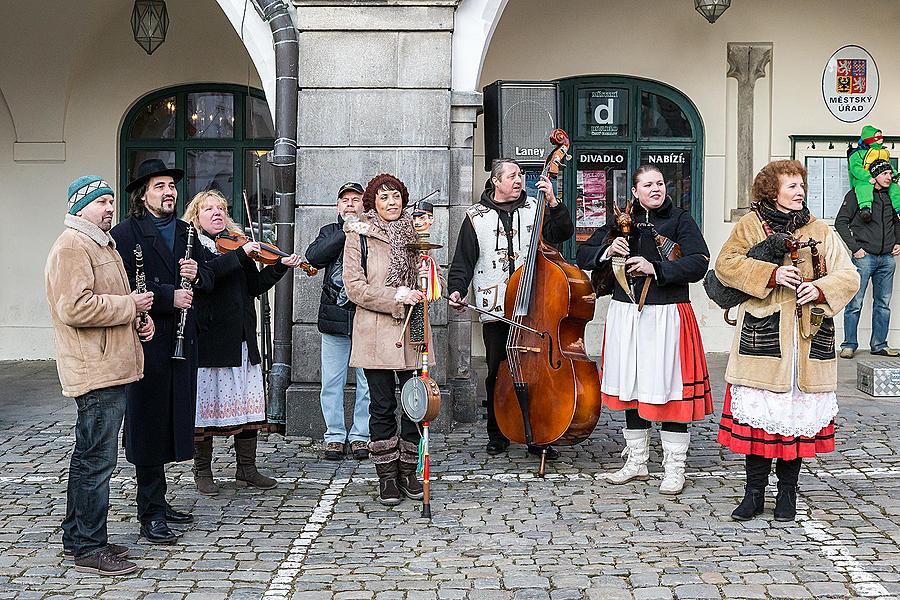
[850, 83]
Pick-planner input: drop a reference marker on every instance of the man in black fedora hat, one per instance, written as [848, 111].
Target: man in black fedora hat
[159, 411]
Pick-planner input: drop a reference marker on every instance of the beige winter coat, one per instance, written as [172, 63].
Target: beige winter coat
[763, 346]
[92, 313]
[379, 315]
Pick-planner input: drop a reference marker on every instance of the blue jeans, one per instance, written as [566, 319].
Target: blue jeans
[880, 269]
[335, 358]
[100, 414]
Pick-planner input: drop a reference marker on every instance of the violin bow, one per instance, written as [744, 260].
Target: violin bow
[249, 218]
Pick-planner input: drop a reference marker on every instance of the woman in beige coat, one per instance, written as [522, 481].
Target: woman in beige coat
[780, 400]
[379, 277]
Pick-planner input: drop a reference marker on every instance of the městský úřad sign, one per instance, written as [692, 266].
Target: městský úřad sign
[850, 83]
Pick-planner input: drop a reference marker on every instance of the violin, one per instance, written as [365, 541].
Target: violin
[267, 255]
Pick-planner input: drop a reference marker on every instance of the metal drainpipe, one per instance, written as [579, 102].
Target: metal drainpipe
[284, 160]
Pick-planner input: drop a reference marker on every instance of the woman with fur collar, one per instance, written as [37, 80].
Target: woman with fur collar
[380, 273]
[780, 400]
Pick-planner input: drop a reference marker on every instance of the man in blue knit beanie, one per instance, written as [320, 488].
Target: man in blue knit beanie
[98, 333]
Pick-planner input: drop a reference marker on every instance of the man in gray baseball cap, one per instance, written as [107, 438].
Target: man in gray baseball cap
[335, 323]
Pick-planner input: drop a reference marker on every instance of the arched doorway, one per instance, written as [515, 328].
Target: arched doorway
[617, 123]
[214, 132]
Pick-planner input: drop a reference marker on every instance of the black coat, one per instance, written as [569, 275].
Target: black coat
[672, 276]
[879, 235]
[327, 252]
[159, 409]
[226, 315]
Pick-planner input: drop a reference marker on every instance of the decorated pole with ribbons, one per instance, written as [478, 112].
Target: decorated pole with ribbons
[421, 396]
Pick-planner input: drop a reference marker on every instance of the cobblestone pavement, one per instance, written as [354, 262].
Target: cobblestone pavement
[498, 530]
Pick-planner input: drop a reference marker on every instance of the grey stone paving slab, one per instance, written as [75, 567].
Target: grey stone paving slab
[498, 531]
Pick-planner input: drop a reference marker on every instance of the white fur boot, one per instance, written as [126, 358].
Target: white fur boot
[675, 447]
[636, 454]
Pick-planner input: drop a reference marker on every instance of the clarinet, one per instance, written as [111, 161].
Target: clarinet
[182, 315]
[140, 279]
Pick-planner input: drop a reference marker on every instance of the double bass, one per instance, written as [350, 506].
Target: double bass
[550, 392]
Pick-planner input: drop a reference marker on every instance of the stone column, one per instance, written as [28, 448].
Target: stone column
[374, 98]
[464, 109]
[746, 62]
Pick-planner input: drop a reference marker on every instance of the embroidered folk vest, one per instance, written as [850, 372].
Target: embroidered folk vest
[500, 253]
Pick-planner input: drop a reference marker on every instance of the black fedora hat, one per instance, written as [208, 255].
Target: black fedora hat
[152, 167]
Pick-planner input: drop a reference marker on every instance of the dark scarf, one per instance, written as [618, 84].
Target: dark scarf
[402, 269]
[166, 226]
[781, 222]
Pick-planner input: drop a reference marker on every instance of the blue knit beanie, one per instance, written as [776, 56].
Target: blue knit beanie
[85, 190]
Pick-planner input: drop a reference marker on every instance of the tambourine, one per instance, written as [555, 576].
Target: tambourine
[421, 399]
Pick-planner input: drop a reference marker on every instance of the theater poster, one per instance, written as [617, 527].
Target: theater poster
[601, 176]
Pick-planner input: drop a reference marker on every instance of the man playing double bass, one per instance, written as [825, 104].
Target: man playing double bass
[493, 242]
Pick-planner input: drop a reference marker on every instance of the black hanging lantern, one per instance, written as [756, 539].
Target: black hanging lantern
[149, 22]
[711, 9]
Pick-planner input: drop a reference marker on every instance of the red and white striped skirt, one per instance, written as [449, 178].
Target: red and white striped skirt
[745, 439]
[654, 362]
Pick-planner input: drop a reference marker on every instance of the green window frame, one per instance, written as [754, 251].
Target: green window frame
[181, 143]
[631, 138]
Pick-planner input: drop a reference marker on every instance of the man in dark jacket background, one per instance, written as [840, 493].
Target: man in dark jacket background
[336, 324]
[873, 244]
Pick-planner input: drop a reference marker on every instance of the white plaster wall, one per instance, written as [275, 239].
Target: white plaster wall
[106, 75]
[675, 45]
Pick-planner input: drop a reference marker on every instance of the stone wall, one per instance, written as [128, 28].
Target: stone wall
[375, 97]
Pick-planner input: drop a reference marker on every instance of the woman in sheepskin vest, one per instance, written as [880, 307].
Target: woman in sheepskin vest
[780, 400]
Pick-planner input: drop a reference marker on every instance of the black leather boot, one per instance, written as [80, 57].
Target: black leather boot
[757, 471]
[751, 506]
[788, 472]
[786, 502]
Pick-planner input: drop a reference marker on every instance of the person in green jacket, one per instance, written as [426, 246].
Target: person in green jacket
[870, 148]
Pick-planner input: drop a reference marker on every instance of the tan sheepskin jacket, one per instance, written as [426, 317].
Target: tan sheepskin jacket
[379, 314]
[763, 346]
[92, 312]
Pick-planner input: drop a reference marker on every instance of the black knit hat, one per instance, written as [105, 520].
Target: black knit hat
[879, 166]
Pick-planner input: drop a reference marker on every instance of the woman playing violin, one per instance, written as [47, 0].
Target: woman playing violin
[230, 398]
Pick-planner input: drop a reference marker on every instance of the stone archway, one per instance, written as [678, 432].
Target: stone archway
[474, 24]
[257, 39]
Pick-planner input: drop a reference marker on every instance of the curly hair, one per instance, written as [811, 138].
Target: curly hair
[138, 209]
[768, 180]
[384, 181]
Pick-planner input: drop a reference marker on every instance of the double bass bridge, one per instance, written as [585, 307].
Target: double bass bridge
[524, 349]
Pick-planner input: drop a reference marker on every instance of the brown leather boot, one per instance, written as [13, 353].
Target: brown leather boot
[203, 477]
[407, 480]
[386, 457]
[245, 453]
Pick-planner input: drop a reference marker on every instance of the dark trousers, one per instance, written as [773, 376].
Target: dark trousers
[383, 406]
[97, 425]
[758, 469]
[634, 421]
[151, 493]
[495, 335]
